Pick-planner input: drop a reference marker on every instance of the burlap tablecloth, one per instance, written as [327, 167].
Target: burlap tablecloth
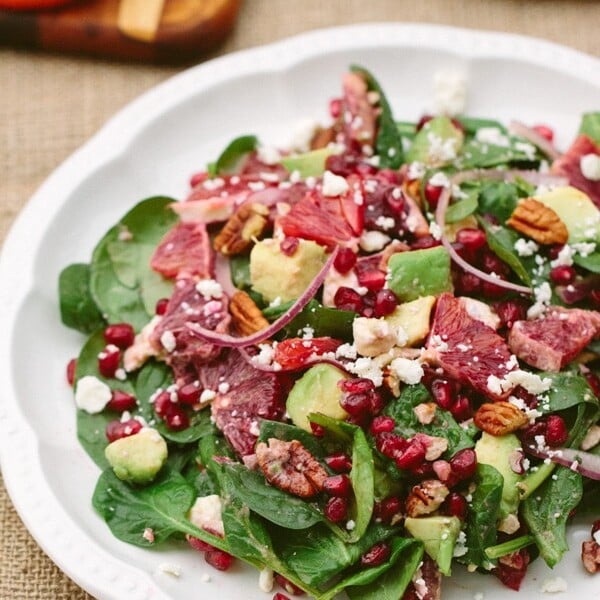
[49, 105]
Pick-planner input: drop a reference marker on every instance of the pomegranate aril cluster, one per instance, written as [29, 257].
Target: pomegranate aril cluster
[115, 430]
[219, 559]
[360, 399]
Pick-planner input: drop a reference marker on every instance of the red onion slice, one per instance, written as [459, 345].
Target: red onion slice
[532, 136]
[222, 339]
[586, 463]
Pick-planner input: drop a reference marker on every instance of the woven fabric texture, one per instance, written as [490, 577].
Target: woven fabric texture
[50, 104]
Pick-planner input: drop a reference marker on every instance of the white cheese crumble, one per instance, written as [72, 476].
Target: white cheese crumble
[148, 535]
[385, 222]
[346, 351]
[460, 548]
[584, 248]
[440, 150]
[265, 580]
[170, 569]
[206, 514]
[435, 230]
[372, 241]
[564, 257]
[554, 585]
[334, 185]
[209, 289]
[408, 371]
[493, 136]
[223, 387]
[205, 578]
[526, 247]
[350, 525]
[543, 296]
[366, 367]
[92, 395]
[168, 341]
[440, 179]
[532, 382]
[450, 92]
[207, 395]
[416, 170]
[590, 166]
[268, 155]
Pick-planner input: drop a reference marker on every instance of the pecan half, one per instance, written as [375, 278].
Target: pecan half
[246, 316]
[322, 137]
[290, 467]
[590, 555]
[248, 221]
[538, 222]
[499, 418]
[426, 497]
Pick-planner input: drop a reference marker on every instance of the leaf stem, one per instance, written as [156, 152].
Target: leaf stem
[509, 547]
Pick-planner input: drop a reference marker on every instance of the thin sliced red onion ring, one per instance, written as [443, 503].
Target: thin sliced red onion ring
[586, 463]
[221, 339]
[275, 368]
[531, 135]
[498, 175]
[223, 274]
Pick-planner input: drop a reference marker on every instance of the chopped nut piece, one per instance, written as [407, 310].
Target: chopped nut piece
[590, 555]
[426, 497]
[246, 316]
[323, 137]
[538, 222]
[291, 467]
[592, 438]
[249, 221]
[499, 418]
[425, 412]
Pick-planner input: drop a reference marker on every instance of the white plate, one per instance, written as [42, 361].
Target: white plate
[151, 147]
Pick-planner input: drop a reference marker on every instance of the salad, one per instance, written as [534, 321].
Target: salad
[358, 362]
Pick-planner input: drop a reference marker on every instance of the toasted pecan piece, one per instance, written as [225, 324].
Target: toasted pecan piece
[499, 418]
[538, 222]
[426, 497]
[247, 222]
[290, 467]
[590, 556]
[246, 316]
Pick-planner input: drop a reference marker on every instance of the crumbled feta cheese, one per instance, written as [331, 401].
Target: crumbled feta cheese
[564, 257]
[385, 222]
[223, 387]
[438, 343]
[480, 311]
[532, 382]
[213, 184]
[366, 367]
[440, 150]
[346, 351]
[543, 296]
[435, 230]
[207, 396]
[493, 136]
[168, 341]
[209, 289]
[590, 166]
[120, 374]
[205, 578]
[268, 154]
[526, 247]
[450, 92]
[408, 371]
[440, 179]
[302, 134]
[256, 186]
[350, 525]
[554, 585]
[372, 241]
[334, 185]
[148, 535]
[527, 149]
[460, 548]
[92, 395]
[206, 514]
[372, 337]
[170, 569]
[584, 248]
[416, 170]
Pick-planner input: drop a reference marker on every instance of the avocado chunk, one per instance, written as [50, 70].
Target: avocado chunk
[576, 211]
[497, 452]
[309, 164]
[317, 391]
[276, 275]
[412, 318]
[437, 143]
[139, 457]
[420, 273]
[439, 535]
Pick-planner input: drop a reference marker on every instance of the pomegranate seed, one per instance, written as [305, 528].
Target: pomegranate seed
[595, 298]
[443, 470]
[412, 456]
[464, 463]
[385, 303]
[115, 430]
[556, 431]
[433, 193]
[356, 404]
[161, 306]
[336, 509]
[373, 280]
[491, 290]
[595, 527]
[289, 245]
[342, 165]
[288, 586]
[594, 382]
[442, 393]
[121, 401]
[468, 283]
[335, 107]
[376, 556]
[425, 469]
[348, 299]
[344, 260]
[387, 509]
[382, 424]
[198, 178]
[280, 596]
[531, 431]
[71, 366]
[390, 444]
[338, 485]
[455, 505]
[108, 361]
[545, 131]
[317, 430]
[189, 393]
[425, 242]
[461, 409]
[120, 335]
[554, 251]
[511, 311]
[176, 419]
[218, 559]
[162, 403]
[340, 462]
[472, 239]
[198, 544]
[356, 385]
[563, 275]
[491, 263]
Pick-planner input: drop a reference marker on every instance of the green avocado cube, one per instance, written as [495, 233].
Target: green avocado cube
[308, 164]
[437, 144]
[420, 273]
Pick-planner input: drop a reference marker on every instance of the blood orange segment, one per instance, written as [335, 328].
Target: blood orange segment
[294, 353]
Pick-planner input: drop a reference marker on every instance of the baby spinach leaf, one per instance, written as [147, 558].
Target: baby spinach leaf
[443, 424]
[501, 241]
[472, 124]
[236, 150]
[77, 307]
[287, 433]
[547, 512]
[406, 129]
[590, 263]
[590, 126]
[478, 155]
[499, 199]
[482, 516]
[390, 580]
[122, 283]
[161, 506]
[462, 209]
[388, 144]
[567, 389]
[240, 271]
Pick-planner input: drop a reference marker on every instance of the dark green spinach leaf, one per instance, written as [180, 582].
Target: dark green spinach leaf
[77, 307]
[590, 263]
[590, 126]
[462, 209]
[230, 159]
